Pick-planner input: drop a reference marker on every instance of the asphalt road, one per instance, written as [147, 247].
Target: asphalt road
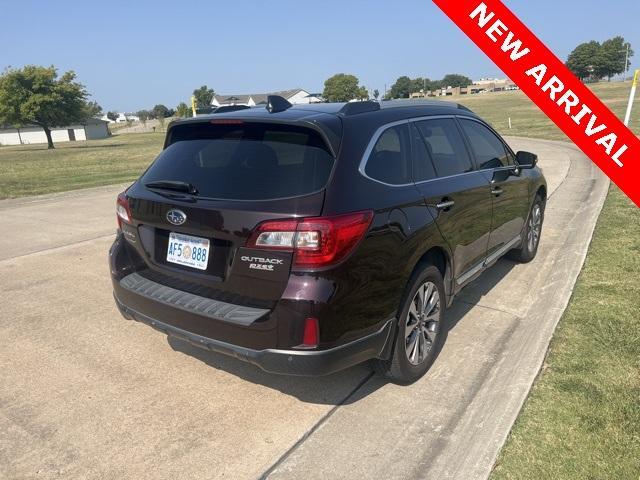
[86, 394]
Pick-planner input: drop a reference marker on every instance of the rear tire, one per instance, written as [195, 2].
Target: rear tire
[531, 234]
[419, 338]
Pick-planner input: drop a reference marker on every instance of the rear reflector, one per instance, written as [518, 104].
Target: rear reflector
[311, 336]
[123, 212]
[316, 242]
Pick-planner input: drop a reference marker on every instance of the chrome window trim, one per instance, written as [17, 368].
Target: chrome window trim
[378, 133]
[372, 143]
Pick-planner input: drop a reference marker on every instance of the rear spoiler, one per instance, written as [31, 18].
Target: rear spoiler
[330, 129]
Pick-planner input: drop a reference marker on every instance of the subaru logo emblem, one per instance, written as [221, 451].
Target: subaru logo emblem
[177, 217]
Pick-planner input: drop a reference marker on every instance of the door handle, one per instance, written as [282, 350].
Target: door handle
[497, 191]
[445, 204]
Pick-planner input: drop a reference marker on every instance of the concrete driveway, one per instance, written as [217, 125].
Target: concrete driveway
[86, 394]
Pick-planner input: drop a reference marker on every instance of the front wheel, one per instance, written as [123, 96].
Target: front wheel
[419, 338]
[532, 232]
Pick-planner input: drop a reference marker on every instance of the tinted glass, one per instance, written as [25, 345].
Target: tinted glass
[422, 163]
[244, 161]
[487, 147]
[389, 160]
[445, 145]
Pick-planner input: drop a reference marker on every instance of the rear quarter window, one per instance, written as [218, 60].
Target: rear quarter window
[389, 160]
[244, 161]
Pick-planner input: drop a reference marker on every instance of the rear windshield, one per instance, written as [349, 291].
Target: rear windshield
[244, 161]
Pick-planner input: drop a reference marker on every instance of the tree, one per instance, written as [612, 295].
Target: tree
[183, 110]
[35, 95]
[376, 94]
[342, 87]
[455, 80]
[143, 115]
[363, 93]
[595, 60]
[204, 96]
[417, 85]
[401, 89]
[160, 112]
[113, 116]
[610, 60]
[93, 110]
[582, 59]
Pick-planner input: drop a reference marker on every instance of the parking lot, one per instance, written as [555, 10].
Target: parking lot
[87, 394]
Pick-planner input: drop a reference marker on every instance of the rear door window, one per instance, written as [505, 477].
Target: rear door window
[489, 150]
[244, 161]
[445, 146]
[389, 160]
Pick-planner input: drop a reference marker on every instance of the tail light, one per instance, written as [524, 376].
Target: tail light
[316, 242]
[123, 212]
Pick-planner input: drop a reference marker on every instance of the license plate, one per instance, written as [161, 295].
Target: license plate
[188, 251]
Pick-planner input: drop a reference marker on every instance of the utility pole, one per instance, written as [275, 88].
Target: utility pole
[626, 63]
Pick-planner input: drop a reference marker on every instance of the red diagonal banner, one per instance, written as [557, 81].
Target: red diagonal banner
[549, 84]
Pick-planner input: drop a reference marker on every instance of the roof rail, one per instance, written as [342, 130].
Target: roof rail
[276, 103]
[354, 108]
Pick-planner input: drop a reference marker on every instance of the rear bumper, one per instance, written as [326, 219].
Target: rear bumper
[289, 362]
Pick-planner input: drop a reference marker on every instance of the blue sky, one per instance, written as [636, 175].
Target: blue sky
[134, 54]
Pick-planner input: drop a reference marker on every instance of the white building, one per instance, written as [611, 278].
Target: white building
[122, 118]
[493, 85]
[295, 96]
[127, 117]
[91, 129]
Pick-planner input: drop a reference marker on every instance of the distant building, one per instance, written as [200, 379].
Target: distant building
[122, 118]
[484, 85]
[91, 129]
[127, 117]
[493, 85]
[295, 96]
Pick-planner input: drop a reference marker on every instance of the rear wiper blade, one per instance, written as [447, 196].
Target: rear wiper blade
[173, 185]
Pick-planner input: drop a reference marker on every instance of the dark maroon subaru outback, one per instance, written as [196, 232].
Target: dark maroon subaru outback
[306, 239]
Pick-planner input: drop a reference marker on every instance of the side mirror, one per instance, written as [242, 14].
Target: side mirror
[526, 159]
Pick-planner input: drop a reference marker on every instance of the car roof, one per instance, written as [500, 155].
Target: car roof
[327, 118]
[305, 112]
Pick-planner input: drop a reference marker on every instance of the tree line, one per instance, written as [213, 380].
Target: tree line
[344, 87]
[203, 98]
[593, 61]
[405, 86]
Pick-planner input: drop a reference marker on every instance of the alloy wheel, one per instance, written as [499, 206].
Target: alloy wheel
[421, 324]
[535, 225]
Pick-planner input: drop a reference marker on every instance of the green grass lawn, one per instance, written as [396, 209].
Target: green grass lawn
[32, 169]
[582, 419]
[527, 120]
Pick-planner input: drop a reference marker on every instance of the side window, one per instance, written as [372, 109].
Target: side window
[487, 147]
[389, 159]
[444, 144]
[422, 163]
